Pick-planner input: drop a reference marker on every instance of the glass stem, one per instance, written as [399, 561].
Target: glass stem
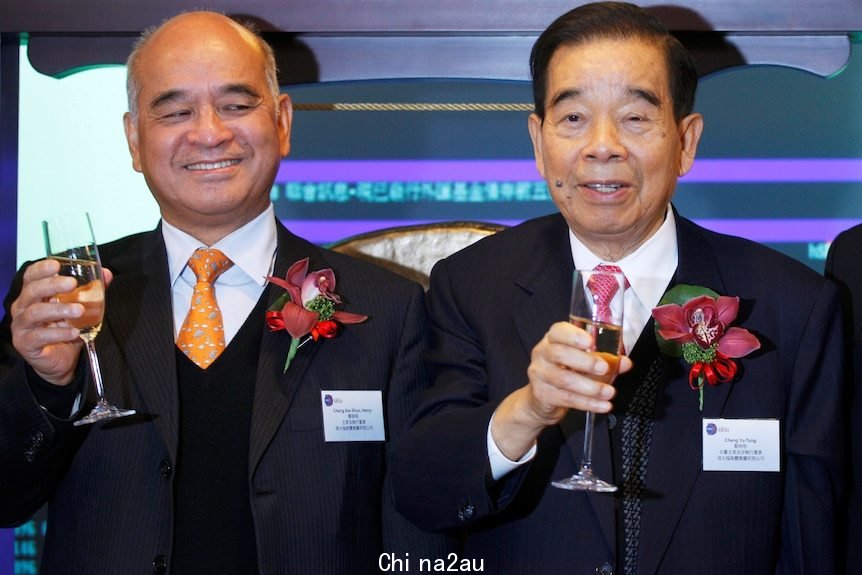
[90, 344]
[587, 459]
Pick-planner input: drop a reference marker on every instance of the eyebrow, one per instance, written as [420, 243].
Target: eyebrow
[178, 94]
[165, 98]
[639, 93]
[565, 95]
[241, 89]
[647, 95]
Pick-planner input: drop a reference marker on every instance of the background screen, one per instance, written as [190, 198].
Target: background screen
[779, 161]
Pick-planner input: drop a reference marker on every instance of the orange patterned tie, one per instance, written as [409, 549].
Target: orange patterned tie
[201, 337]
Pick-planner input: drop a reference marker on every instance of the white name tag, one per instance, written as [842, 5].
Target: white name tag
[741, 445]
[351, 415]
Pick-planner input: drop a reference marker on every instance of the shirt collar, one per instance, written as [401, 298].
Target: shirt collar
[648, 269]
[243, 246]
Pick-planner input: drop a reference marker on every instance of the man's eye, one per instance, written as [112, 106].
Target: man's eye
[236, 108]
[572, 118]
[175, 114]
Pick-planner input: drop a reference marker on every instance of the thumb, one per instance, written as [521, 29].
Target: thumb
[107, 277]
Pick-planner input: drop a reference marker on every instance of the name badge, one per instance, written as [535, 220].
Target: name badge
[741, 445]
[353, 415]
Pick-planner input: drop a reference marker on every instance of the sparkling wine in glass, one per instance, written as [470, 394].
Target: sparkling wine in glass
[69, 240]
[597, 308]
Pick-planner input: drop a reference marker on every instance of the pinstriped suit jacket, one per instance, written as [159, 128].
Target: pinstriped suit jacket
[491, 303]
[317, 507]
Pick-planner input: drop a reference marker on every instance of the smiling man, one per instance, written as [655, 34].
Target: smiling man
[613, 129]
[234, 463]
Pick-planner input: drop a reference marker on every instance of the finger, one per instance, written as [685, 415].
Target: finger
[565, 333]
[107, 277]
[573, 399]
[31, 343]
[42, 291]
[556, 386]
[41, 269]
[571, 357]
[51, 312]
[625, 364]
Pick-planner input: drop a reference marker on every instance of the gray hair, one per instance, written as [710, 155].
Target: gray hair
[133, 79]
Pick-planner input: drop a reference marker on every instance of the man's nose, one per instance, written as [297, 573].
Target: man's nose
[209, 128]
[604, 142]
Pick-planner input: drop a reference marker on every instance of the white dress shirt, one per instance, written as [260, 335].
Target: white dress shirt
[251, 248]
[649, 270]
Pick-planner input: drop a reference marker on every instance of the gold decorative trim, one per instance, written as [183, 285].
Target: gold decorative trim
[413, 107]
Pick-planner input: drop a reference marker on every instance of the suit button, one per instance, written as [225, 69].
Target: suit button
[466, 512]
[36, 441]
[160, 563]
[612, 419]
[605, 569]
[166, 469]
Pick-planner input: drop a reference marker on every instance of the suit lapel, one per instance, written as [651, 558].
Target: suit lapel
[544, 292]
[675, 456]
[140, 318]
[274, 389]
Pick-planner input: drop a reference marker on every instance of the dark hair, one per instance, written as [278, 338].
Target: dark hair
[614, 21]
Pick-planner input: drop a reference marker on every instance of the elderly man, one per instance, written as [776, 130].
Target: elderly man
[612, 131]
[235, 462]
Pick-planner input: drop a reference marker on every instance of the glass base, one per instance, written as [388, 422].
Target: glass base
[585, 480]
[102, 412]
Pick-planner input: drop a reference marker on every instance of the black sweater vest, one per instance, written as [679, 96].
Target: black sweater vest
[213, 525]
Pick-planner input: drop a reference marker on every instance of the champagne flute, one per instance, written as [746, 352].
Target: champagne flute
[597, 308]
[69, 240]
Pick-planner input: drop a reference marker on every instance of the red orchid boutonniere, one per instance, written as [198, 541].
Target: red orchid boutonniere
[692, 322]
[308, 307]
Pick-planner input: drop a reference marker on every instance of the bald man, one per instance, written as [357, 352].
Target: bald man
[231, 466]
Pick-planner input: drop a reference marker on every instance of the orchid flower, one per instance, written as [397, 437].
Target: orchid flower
[698, 330]
[704, 320]
[308, 306]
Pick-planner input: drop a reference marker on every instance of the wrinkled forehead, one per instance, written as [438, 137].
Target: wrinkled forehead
[626, 62]
[211, 57]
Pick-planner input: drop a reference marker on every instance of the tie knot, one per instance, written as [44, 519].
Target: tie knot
[208, 264]
[612, 269]
[603, 288]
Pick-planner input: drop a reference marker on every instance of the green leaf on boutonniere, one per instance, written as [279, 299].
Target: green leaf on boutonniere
[291, 352]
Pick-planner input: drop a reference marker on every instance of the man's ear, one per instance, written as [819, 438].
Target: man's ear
[690, 130]
[534, 125]
[284, 119]
[132, 140]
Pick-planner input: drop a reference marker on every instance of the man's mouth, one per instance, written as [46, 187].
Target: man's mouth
[212, 165]
[605, 188]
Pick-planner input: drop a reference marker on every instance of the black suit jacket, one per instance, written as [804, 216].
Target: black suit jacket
[844, 265]
[317, 507]
[491, 304]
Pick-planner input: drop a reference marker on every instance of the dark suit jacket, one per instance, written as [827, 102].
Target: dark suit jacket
[317, 507]
[844, 265]
[491, 304]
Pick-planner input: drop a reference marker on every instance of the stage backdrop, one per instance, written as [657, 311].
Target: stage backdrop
[779, 161]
